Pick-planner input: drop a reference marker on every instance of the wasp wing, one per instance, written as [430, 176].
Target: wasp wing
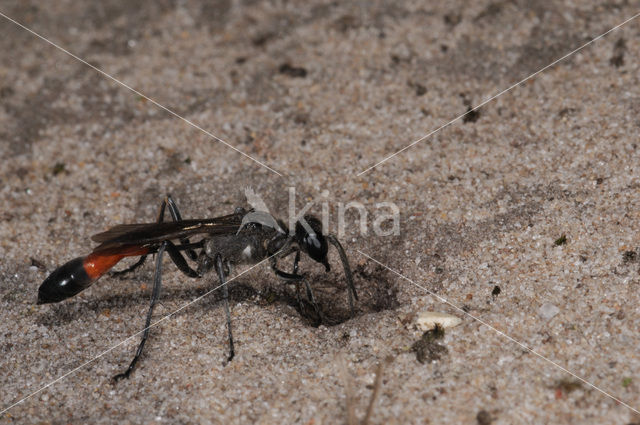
[150, 234]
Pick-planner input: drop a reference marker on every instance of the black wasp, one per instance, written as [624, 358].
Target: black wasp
[244, 237]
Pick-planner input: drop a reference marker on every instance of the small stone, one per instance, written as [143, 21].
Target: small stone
[547, 311]
[427, 320]
[483, 418]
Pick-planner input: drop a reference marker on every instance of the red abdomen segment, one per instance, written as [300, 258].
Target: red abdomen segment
[80, 273]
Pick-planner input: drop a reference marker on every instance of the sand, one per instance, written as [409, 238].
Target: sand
[524, 216]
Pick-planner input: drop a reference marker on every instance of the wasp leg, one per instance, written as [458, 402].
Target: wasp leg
[347, 271]
[130, 268]
[296, 277]
[175, 215]
[155, 294]
[225, 295]
[286, 276]
[177, 258]
[180, 261]
[295, 272]
[312, 299]
[282, 274]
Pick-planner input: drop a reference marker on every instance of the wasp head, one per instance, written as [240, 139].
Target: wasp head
[311, 240]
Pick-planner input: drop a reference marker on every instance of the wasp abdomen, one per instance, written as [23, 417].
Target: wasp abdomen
[65, 281]
[79, 273]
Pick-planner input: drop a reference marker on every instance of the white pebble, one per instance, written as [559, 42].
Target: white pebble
[427, 320]
[548, 311]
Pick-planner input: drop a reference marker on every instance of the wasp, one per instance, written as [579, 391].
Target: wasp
[243, 237]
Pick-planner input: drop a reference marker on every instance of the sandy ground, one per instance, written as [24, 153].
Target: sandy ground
[536, 194]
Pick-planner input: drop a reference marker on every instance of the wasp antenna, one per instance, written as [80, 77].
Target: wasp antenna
[347, 270]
